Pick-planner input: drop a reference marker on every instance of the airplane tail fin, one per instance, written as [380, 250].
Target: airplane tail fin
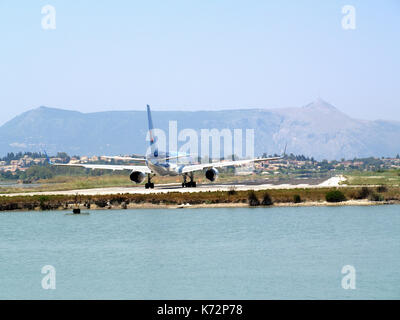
[284, 151]
[153, 139]
[47, 158]
[150, 121]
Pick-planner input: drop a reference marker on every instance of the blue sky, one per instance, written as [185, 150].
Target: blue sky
[191, 55]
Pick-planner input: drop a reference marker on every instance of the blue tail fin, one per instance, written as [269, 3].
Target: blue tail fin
[150, 122]
[153, 139]
[47, 158]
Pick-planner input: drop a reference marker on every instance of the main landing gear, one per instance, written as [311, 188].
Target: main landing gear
[149, 184]
[191, 183]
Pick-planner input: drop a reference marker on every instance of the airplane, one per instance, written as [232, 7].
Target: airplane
[157, 163]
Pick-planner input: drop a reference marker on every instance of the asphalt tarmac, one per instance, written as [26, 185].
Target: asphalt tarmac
[173, 187]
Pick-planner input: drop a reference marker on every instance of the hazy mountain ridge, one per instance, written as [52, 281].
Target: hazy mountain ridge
[317, 129]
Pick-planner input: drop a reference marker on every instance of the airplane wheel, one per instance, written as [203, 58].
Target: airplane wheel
[146, 185]
[190, 184]
[152, 185]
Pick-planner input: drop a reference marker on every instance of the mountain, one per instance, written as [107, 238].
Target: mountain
[317, 129]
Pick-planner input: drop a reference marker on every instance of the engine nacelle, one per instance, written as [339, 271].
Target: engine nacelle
[137, 176]
[212, 174]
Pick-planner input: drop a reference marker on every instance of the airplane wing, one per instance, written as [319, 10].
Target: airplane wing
[175, 157]
[143, 159]
[143, 169]
[123, 158]
[235, 163]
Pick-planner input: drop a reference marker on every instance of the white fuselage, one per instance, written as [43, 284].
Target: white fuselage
[163, 167]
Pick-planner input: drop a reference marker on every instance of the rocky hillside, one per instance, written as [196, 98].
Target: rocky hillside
[317, 129]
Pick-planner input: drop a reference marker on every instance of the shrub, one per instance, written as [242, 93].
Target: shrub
[43, 198]
[252, 198]
[296, 198]
[381, 189]
[100, 203]
[232, 191]
[363, 193]
[376, 197]
[267, 201]
[335, 196]
[42, 201]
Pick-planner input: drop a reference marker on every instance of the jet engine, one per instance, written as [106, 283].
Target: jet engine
[212, 174]
[137, 176]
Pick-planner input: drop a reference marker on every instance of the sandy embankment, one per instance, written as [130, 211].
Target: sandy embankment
[333, 182]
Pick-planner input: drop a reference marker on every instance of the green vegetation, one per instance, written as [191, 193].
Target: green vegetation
[335, 196]
[381, 189]
[277, 196]
[36, 172]
[381, 178]
[59, 183]
[296, 198]
[363, 193]
[266, 201]
[42, 202]
[16, 156]
[232, 191]
[376, 197]
[253, 200]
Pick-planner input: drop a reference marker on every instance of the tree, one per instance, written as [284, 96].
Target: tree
[252, 198]
[335, 196]
[38, 172]
[64, 156]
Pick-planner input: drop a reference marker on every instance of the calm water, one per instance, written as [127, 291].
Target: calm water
[238, 253]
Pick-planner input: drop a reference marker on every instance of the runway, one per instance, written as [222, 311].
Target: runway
[165, 188]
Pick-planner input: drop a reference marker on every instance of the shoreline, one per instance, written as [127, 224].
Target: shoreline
[294, 197]
[275, 205]
[134, 206]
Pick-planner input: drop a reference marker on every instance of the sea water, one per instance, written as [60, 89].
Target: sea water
[235, 253]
